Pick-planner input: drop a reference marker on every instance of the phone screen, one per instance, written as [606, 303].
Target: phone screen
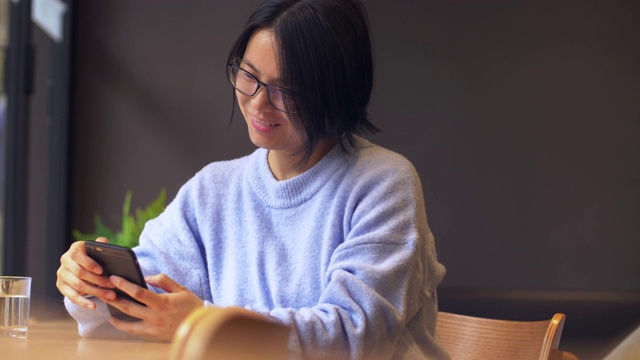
[120, 261]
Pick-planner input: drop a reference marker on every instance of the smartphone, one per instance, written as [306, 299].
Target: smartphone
[120, 261]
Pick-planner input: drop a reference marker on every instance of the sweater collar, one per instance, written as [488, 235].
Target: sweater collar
[295, 191]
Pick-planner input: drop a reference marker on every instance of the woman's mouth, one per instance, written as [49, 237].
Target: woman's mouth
[264, 122]
[262, 125]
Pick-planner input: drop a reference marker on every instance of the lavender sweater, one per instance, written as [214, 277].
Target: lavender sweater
[342, 253]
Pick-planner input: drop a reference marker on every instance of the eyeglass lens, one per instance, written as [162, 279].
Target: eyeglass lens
[247, 84]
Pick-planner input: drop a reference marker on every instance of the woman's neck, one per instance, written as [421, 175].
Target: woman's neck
[287, 166]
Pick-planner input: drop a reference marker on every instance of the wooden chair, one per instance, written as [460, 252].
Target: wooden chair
[231, 334]
[474, 338]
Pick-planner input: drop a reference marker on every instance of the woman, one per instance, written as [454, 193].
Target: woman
[317, 228]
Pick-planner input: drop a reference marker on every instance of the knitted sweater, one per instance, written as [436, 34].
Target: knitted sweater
[342, 252]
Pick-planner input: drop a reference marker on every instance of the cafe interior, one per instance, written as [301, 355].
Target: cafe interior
[521, 118]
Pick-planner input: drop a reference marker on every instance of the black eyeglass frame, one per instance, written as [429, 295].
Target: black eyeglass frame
[285, 92]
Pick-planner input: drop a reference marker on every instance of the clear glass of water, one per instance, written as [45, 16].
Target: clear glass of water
[15, 292]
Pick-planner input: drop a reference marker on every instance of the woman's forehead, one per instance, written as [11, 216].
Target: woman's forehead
[262, 56]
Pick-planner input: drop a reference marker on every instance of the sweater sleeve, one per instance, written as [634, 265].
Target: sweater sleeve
[171, 244]
[168, 245]
[94, 323]
[378, 280]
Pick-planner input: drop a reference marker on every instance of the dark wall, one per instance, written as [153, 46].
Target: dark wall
[523, 119]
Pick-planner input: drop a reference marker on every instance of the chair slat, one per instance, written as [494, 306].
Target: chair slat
[474, 338]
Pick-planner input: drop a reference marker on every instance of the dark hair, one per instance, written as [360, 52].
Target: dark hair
[325, 60]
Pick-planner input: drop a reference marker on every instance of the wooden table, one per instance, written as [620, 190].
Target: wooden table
[59, 339]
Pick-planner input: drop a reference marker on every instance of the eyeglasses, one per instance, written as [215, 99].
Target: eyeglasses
[248, 84]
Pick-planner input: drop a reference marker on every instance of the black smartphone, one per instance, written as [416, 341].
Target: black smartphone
[120, 261]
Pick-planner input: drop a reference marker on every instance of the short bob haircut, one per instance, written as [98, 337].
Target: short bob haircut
[326, 61]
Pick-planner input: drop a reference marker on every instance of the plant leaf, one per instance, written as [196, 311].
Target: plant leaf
[131, 227]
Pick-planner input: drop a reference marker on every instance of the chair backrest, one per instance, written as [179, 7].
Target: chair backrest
[231, 334]
[470, 338]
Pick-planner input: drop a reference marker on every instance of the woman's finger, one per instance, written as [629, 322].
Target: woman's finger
[128, 307]
[139, 293]
[103, 240]
[80, 272]
[84, 287]
[84, 274]
[164, 282]
[77, 254]
[74, 296]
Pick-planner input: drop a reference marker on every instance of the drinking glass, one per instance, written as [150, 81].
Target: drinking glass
[15, 292]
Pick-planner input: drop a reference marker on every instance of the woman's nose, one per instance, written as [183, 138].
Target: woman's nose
[261, 98]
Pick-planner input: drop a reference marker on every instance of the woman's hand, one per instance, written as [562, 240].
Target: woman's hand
[162, 314]
[80, 276]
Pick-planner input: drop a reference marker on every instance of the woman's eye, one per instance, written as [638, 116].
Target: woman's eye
[248, 76]
[274, 93]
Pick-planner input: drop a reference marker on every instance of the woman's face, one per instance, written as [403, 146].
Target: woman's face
[269, 128]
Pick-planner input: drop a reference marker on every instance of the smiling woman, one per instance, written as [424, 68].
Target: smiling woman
[318, 229]
[520, 117]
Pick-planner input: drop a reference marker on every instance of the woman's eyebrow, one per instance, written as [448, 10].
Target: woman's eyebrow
[249, 64]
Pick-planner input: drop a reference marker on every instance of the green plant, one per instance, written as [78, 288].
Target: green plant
[132, 225]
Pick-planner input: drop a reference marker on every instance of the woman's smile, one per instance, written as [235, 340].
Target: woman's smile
[262, 125]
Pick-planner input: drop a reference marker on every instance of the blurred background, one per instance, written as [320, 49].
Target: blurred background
[522, 118]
